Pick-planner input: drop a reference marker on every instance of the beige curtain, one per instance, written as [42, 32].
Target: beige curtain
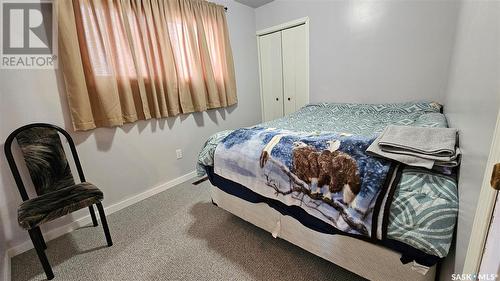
[128, 60]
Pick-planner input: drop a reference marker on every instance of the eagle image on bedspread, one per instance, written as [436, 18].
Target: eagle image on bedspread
[329, 175]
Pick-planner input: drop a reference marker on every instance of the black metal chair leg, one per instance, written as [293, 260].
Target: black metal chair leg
[104, 224]
[92, 215]
[41, 254]
[40, 237]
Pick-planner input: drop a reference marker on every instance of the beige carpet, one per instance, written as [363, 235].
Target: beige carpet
[177, 235]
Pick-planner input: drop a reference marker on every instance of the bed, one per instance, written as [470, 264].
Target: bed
[401, 232]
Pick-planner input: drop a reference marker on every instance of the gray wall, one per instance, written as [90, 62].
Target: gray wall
[131, 159]
[472, 103]
[373, 51]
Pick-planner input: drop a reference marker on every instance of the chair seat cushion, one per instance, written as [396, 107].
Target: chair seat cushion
[55, 204]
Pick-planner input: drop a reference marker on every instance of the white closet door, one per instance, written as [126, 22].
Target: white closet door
[294, 48]
[271, 76]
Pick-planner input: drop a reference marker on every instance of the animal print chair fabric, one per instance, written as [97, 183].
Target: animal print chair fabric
[50, 172]
[45, 159]
[57, 203]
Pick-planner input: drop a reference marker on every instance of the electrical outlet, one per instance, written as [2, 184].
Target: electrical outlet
[178, 152]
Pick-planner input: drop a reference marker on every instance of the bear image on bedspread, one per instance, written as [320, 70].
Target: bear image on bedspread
[329, 170]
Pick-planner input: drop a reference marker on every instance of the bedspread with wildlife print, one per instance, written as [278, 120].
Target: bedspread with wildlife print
[424, 211]
[329, 175]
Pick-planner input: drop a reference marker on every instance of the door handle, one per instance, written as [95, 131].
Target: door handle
[495, 177]
[277, 99]
[289, 98]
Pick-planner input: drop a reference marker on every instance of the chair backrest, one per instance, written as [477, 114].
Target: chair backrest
[44, 156]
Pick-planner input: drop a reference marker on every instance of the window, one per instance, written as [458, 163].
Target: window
[150, 58]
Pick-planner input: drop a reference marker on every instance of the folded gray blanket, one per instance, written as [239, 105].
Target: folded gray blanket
[418, 146]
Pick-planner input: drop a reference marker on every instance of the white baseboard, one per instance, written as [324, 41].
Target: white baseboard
[57, 232]
[148, 193]
[6, 267]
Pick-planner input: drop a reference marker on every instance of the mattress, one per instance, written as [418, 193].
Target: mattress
[407, 253]
[365, 259]
[423, 206]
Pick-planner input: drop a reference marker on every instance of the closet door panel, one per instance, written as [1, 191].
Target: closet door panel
[294, 50]
[271, 75]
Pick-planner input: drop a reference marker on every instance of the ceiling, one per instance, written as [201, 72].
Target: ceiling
[254, 3]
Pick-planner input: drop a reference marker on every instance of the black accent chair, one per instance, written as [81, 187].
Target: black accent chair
[57, 192]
